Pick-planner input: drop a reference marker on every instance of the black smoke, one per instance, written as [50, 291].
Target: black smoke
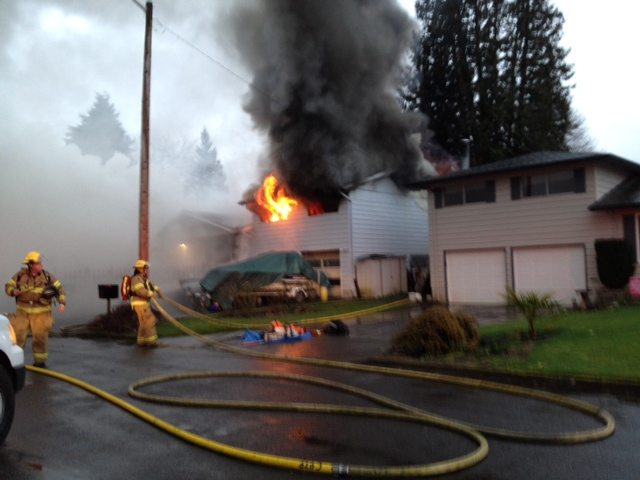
[325, 80]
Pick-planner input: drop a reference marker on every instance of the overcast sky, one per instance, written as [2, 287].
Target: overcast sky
[604, 39]
[56, 54]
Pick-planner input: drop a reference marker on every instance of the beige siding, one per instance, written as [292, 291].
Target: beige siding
[560, 219]
[606, 178]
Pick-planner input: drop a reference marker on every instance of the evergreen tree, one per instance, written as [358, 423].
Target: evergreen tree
[207, 170]
[100, 132]
[493, 70]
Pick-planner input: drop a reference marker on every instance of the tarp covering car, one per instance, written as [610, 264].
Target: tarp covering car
[257, 272]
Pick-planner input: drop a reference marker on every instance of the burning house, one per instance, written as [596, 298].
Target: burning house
[342, 235]
[325, 82]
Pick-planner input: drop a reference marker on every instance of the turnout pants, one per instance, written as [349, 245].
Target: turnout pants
[147, 334]
[40, 325]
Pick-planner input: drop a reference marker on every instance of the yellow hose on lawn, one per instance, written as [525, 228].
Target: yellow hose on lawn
[327, 318]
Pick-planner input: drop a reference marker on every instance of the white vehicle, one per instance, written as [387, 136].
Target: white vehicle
[12, 374]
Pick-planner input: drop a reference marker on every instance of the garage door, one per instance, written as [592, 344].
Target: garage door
[557, 270]
[476, 277]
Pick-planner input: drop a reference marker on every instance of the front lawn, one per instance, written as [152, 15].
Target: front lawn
[288, 314]
[599, 343]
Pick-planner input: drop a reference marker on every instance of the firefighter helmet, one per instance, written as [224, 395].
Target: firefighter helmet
[32, 257]
[141, 264]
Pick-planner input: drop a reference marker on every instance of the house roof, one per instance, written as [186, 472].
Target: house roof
[624, 195]
[531, 160]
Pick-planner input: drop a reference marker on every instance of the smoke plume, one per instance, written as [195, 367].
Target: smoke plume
[325, 82]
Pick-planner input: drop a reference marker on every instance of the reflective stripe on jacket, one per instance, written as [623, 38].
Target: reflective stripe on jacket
[32, 288]
[142, 290]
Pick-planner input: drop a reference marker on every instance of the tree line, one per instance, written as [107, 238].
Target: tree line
[494, 71]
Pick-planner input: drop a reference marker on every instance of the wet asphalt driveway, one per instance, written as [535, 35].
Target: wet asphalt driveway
[63, 433]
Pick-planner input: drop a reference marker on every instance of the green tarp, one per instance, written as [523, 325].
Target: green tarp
[257, 272]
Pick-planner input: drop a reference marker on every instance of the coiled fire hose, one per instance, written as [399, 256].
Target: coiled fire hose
[395, 410]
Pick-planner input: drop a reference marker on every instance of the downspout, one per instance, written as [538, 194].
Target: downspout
[350, 232]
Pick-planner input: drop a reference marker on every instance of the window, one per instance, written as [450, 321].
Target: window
[480, 192]
[473, 193]
[535, 186]
[567, 181]
[561, 182]
[453, 196]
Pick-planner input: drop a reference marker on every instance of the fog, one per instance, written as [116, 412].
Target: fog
[54, 57]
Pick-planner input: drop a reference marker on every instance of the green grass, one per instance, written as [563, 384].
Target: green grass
[293, 314]
[600, 343]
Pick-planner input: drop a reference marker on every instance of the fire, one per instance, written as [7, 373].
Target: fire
[272, 197]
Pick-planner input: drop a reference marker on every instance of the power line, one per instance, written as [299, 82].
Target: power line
[165, 28]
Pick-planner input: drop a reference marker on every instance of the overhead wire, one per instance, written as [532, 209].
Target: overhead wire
[181, 38]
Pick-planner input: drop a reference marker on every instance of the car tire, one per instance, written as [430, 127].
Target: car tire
[300, 296]
[7, 404]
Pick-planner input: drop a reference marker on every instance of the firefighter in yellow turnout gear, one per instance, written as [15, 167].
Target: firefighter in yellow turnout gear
[142, 291]
[34, 289]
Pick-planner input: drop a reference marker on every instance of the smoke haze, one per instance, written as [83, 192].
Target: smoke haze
[54, 57]
[325, 78]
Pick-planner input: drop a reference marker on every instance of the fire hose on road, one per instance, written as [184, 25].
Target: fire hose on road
[394, 410]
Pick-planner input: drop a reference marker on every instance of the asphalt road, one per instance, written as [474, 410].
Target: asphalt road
[63, 433]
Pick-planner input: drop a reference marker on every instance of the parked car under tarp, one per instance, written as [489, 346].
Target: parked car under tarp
[225, 282]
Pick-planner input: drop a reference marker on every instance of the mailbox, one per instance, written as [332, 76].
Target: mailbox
[109, 291]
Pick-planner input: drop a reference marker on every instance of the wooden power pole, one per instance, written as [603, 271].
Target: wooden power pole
[143, 228]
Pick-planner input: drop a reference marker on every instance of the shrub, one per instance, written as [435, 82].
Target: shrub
[122, 320]
[615, 261]
[531, 305]
[471, 330]
[436, 332]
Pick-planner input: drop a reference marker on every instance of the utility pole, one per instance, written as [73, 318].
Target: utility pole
[143, 227]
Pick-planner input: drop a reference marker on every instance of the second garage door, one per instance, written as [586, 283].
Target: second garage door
[558, 270]
[476, 277]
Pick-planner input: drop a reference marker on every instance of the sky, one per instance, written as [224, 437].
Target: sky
[55, 55]
[603, 40]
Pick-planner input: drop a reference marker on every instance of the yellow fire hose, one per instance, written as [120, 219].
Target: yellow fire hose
[396, 410]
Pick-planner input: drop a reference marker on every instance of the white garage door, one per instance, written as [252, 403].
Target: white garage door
[476, 277]
[556, 270]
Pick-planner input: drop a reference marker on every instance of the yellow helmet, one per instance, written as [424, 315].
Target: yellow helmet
[141, 264]
[32, 257]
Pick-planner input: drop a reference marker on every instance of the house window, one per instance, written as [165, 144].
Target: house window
[453, 196]
[561, 182]
[535, 186]
[566, 181]
[473, 193]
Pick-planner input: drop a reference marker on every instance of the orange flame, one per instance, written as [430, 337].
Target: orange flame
[273, 198]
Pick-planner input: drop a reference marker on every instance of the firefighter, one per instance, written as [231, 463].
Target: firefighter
[142, 291]
[34, 289]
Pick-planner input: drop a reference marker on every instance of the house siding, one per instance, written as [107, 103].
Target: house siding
[304, 233]
[387, 221]
[560, 219]
[376, 218]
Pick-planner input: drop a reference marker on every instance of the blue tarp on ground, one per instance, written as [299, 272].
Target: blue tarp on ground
[257, 272]
[252, 337]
